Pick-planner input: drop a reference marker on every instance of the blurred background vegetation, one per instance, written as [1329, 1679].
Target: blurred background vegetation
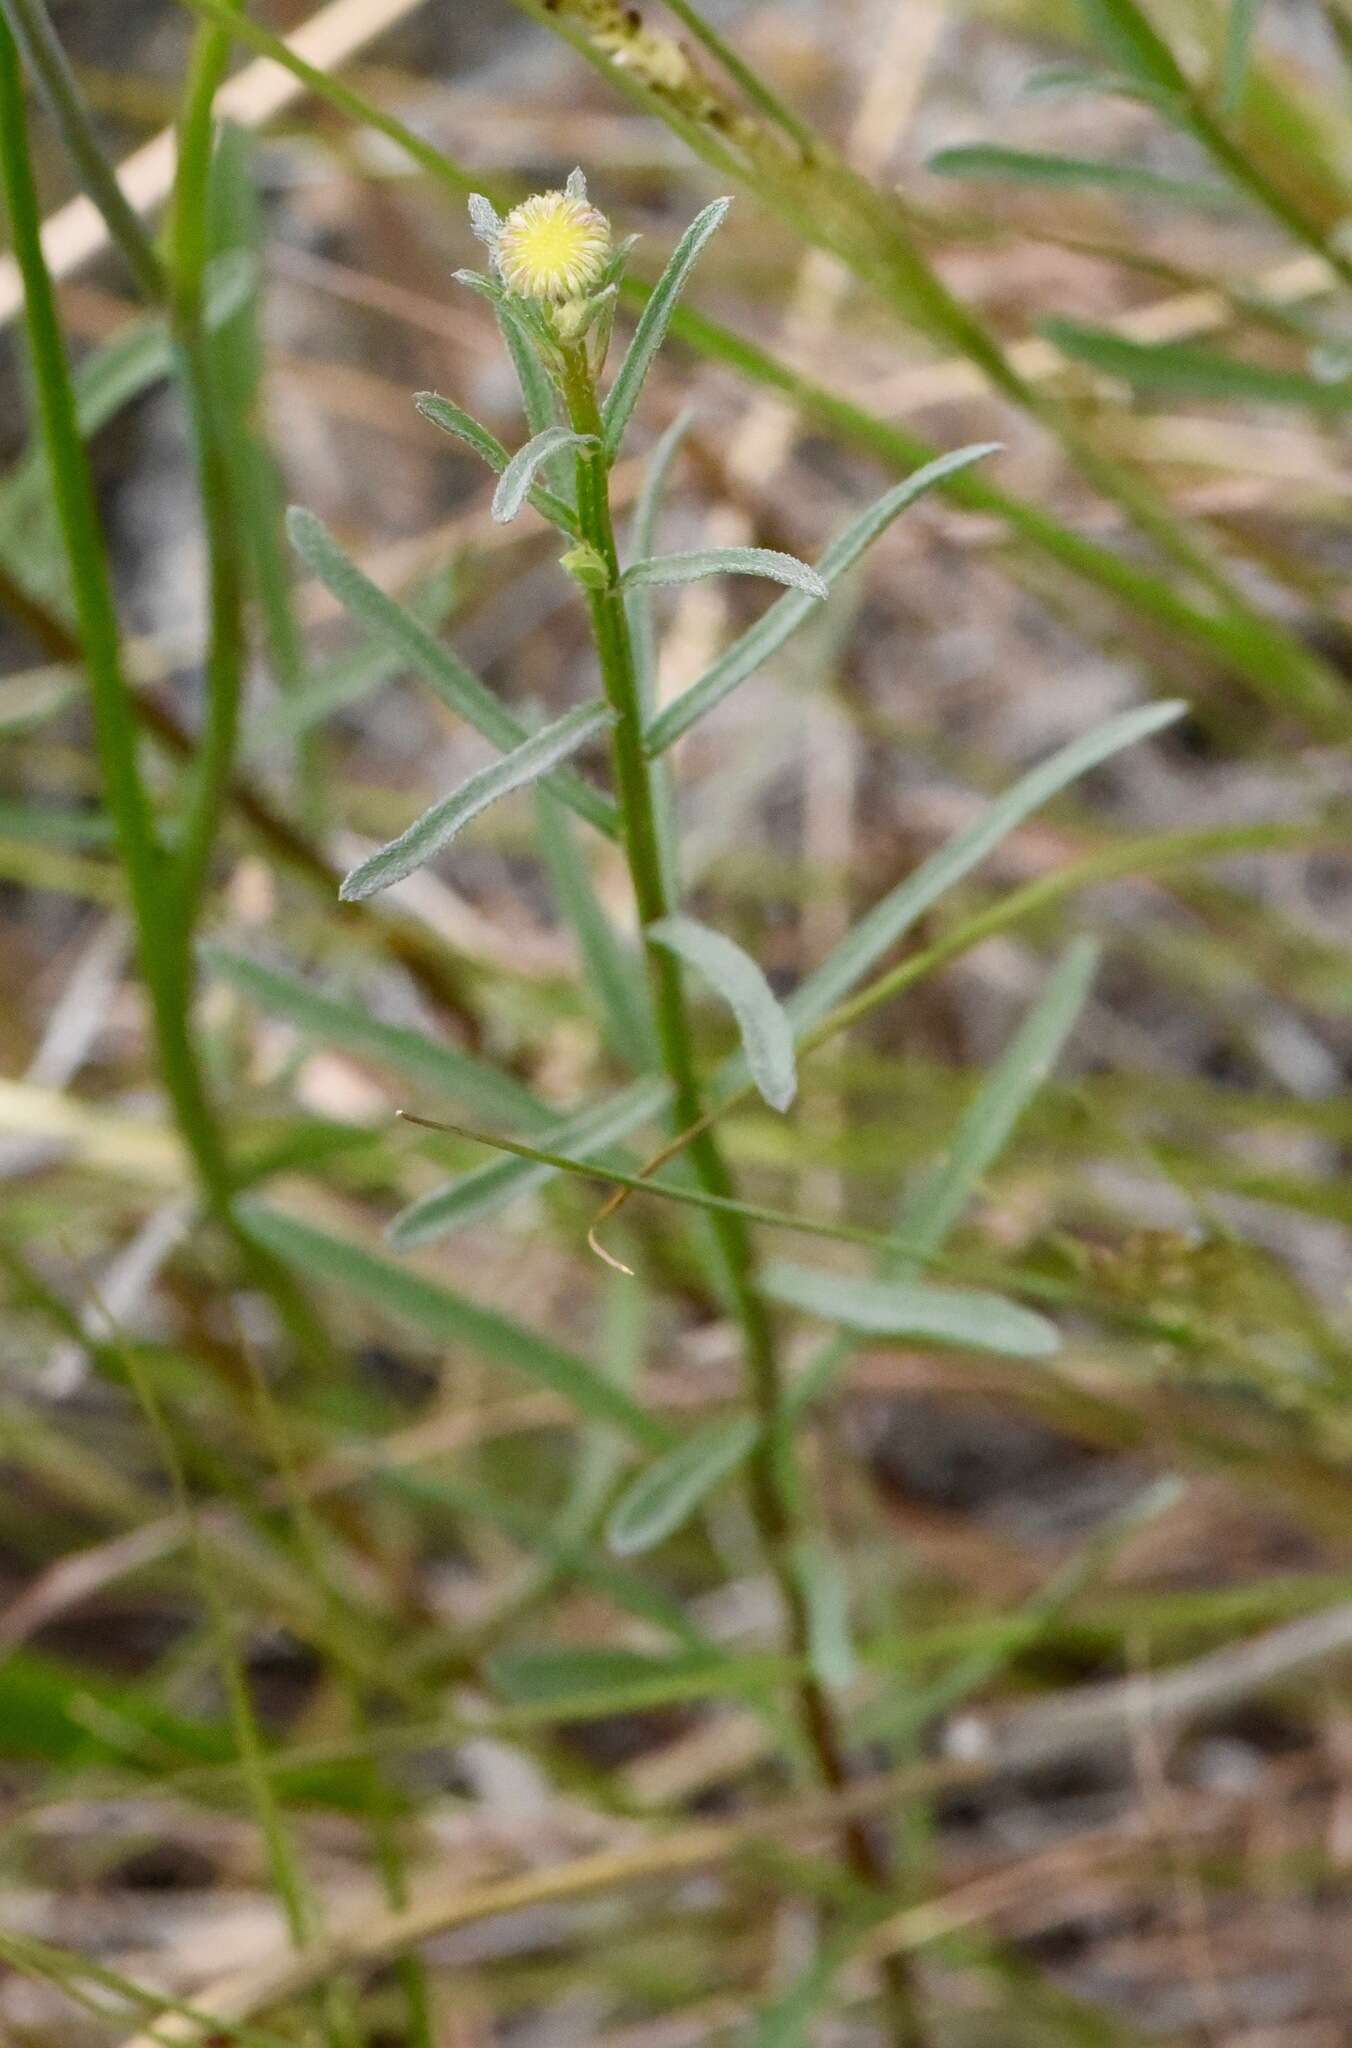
[326, 1712]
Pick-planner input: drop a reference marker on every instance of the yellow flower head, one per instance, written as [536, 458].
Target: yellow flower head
[553, 246]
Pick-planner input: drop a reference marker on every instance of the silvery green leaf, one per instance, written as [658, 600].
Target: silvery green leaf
[515, 482]
[767, 636]
[457, 685]
[988, 1123]
[653, 323]
[487, 1189]
[1240, 30]
[664, 1496]
[452, 419]
[439, 825]
[767, 1039]
[701, 562]
[332, 1020]
[984, 1129]
[449, 1318]
[642, 534]
[909, 1308]
[826, 1596]
[485, 220]
[880, 928]
[613, 969]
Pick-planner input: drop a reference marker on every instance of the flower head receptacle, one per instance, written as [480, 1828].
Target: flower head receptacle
[554, 246]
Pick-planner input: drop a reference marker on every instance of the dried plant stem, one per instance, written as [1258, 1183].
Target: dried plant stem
[774, 1488]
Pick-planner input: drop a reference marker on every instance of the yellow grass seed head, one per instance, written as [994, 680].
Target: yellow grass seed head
[555, 245]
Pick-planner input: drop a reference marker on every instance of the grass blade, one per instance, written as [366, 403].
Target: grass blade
[826, 1596]
[1241, 26]
[1179, 369]
[1036, 167]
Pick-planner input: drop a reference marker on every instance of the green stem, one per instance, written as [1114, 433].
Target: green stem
[164, 944]
[774, 1488]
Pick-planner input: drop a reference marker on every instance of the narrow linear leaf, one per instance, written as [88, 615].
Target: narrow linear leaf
[450, 1319]
[1035, 167]
[702, 562]
[457, 685]
[1241, 26]
[1187, 369]
[480, 1193]
[437, 827]
[654, 321]
[906, 1308]
[662, 1499]
[613, 969]
[642, 537]
[1132, 40]
[515, 482]
[988, 1123]
[350, 1026]
[882, 926]
[357, 671]
[826, 1596]
[537, 1533]
[452, 419]
[767, 636]
[767, 1038]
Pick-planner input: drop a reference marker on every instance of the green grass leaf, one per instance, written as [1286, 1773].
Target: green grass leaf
[1130, 38]
[1188, 369]
[654, 321]
[1037, 167]
[664, 1497]
[767, 1038]
[439, 825]
[904, 1308]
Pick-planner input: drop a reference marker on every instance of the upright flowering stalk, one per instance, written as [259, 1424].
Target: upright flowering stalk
[556, 274]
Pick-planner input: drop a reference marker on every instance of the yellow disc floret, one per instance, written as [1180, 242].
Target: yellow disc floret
[553, 246]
